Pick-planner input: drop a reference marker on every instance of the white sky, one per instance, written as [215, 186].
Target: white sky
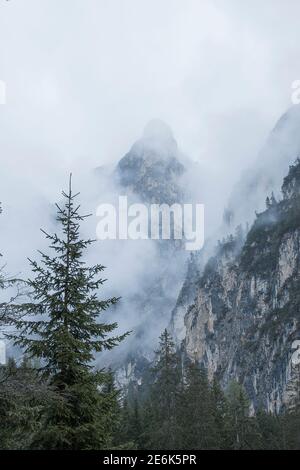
[84, 76]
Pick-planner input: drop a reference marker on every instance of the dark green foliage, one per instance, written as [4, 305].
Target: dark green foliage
[196, 411]
[162, 427]
[22, 396]
[199, 414]
[131, 433]
[243, 429]
[221, 417]
[64, 333]
[271, 432]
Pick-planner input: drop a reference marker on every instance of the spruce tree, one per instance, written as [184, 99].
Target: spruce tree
[245, 432]
[162, 423]
[61, 328]
[123, 437]
[270, 430]
[130, 435]
[196, 410]
[221, 417]
[22, 396]
[268, 203]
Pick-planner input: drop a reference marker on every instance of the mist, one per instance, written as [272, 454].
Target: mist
[80, 89]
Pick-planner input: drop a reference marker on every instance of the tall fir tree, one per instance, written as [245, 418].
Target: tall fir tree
[244, 429]
[130, 433]
[221, 417]
[162, 424]
[196, 410]
[61, 328]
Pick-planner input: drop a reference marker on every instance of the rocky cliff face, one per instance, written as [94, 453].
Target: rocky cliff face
[245, 311]
[237, 312]
[151, 173]
[152, 169]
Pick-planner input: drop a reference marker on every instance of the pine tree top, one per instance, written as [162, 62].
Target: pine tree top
[61, 325]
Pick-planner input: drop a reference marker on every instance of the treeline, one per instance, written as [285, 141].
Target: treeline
[180, 409]
[58, 399]
[176, 407]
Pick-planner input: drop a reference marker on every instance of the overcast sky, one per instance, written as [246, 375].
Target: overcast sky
[84, 77]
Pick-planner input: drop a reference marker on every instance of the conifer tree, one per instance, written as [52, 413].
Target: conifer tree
[245, 433]
[196, 406]
[221, 418]
[163, 423]
[22, 395]
[268, 203]
[273, 200]
[61, 328]
[270, 430]
[123, 437]
[135, 424]
[130, 433]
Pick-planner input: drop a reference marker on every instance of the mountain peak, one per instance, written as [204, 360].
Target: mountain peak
[158, 130]
[152, 168]
[157, 140]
